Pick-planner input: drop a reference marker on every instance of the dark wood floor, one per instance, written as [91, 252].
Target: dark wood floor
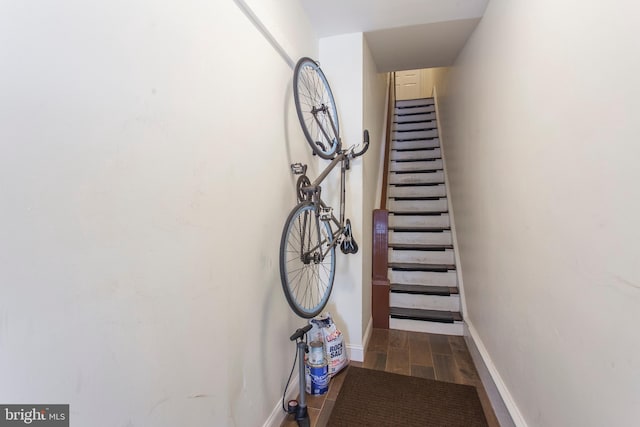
[439, 357]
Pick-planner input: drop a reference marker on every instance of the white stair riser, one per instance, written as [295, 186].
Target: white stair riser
[428, 124]
[426, 191]
[422, 257]
[414, 102]
[443, 238]
[415, 166]
[416, 178]
[456, 328]
[417, 205]
[415, 155]
[441, 220]
[425, 302]
[415, 110]
[423, 278]
[420, 143]
[419, 134]
[414, 117]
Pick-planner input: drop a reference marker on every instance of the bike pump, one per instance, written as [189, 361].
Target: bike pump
[299, 407]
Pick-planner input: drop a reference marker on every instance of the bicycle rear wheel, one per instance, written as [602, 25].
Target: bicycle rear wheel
[316, 108]
[307, 261]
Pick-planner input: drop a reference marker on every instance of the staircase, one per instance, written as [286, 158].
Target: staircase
[422, 267]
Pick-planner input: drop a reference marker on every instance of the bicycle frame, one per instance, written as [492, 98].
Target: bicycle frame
[313, 193]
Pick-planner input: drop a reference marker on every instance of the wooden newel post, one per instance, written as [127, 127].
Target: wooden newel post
[380, 281]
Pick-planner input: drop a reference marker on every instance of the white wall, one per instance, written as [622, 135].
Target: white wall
[145, 152]
[359, 94]
[432, 77]
[541, 137]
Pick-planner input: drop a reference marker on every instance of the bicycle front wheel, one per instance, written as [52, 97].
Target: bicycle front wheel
[307, 261]
[316, 108]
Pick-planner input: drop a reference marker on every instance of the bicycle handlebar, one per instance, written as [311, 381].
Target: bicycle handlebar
[365, 143]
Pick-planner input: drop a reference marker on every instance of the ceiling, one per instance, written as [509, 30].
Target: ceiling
[401, 34]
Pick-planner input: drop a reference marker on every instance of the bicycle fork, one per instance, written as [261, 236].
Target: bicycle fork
[325, 110]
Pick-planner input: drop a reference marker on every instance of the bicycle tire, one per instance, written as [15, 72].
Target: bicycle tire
[307, 278]
[316, 108]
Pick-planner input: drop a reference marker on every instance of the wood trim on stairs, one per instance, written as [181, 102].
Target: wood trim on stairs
[380, 282]
[380, 285]
[387, 141]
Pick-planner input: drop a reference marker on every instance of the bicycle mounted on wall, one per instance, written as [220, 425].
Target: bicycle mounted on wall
[312, 232]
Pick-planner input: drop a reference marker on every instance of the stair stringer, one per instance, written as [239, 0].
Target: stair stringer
[452, 222]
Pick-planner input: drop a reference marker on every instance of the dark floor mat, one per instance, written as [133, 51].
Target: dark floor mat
[376, 398]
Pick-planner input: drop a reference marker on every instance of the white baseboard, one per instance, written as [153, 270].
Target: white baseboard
[277, 415]
[502, 402]
[367, 335]
[356, 352]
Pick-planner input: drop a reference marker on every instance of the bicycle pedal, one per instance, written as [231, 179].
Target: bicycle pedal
[298, 168]
[326, 214]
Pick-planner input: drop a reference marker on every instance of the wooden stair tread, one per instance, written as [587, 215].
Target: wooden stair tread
[421, 109]
[416, 171]
[426, 198]
[425, 315]
[422, 159]
[415, 149]
[401, 110]
[418, 247]
[419, 146]
[427, 99]
[431, 126]
[408, 266]
[402, 288]
[417, 138]
[419, 229]
[418, 213]
[418, 184]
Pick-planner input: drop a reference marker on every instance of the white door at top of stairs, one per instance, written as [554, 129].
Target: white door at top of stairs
[408, 84]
